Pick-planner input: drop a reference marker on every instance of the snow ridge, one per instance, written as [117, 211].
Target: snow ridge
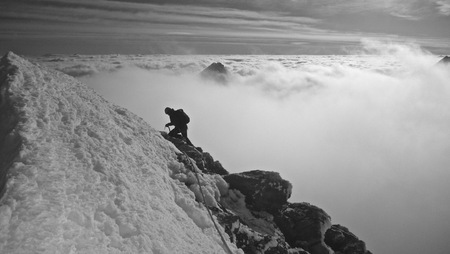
[82, 175]
[9, 140]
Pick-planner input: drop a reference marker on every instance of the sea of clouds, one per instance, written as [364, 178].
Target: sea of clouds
[365, 137]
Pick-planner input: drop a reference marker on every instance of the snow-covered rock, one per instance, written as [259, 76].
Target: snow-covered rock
[252, 231]
[204, 161]
[263, 190]
[341, 240]
[82, 175]
[304, 225]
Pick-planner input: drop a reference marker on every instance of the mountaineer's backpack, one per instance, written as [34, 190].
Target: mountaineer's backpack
[184, 118]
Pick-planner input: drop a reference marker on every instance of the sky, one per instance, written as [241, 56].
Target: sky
[36, 27]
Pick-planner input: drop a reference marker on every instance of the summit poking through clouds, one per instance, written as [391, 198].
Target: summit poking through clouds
[219, 27]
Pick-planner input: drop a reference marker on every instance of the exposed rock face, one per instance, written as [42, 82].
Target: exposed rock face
[250, 240]
[217, 72]
[341, 240]
[304, 226]
[254, 232]
[204, 161]
[263, 190]
[213, 165]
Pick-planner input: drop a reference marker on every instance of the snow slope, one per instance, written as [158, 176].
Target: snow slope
[91, 177]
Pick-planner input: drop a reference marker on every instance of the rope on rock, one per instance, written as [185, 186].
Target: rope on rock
[192, 168]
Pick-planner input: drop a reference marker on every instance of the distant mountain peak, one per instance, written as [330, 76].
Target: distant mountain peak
[445, 60]
[216, 71]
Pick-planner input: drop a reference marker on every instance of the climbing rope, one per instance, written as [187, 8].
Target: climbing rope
[192, 168]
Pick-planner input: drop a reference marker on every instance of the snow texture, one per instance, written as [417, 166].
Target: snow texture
[91, 177]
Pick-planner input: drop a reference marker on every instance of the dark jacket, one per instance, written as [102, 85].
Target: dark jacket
[177, 118]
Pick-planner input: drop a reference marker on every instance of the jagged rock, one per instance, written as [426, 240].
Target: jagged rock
[217, 72]
[445, 60]
[341, 240]
[263, 190]
[304, 226]
[212, 165]
[251, 226]
[250, 240]
[204, 161]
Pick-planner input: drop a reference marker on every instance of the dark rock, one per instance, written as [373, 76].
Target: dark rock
[445, 60]
[217, 72]
[341, 240]
[204, 161]
[212, 165]
[263, 190]
[252, 241]
[304, 226]
[216, 68]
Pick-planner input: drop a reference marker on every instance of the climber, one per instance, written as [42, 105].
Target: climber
[179, 119]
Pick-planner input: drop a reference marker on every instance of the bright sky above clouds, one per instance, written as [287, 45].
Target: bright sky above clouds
[219, 26]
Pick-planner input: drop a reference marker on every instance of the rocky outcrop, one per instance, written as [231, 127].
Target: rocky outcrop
[213, 165]
[341, 240]
[263, 190]
[204, 161]
[304, 225]
[217, 72]
[249, 239]
[258, 218]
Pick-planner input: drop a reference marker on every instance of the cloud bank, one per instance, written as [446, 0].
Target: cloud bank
[369, 146]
